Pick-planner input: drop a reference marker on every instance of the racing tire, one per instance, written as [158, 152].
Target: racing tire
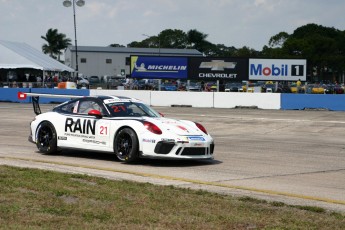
[46, 140]
[126, 145]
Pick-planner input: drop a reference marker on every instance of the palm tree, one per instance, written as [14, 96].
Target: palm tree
[56, 42]
[197, 40]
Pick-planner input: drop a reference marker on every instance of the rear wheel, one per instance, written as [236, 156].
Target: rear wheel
[46, 140]
[126, 145]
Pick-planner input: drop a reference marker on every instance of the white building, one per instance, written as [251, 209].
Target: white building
[114, 61]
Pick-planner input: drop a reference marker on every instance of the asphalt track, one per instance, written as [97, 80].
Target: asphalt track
[295, 157]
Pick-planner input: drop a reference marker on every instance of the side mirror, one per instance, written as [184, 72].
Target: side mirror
[95, 113]
[161, 114]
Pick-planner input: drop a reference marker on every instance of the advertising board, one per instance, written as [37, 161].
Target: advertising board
[211, 69]
[156, 67]
[277, 69]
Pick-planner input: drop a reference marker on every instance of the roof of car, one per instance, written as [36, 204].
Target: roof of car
[116, 98]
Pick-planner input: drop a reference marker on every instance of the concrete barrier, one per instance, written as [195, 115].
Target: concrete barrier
[258, 100]
[196, 99]
[199, 99]
[182, 98]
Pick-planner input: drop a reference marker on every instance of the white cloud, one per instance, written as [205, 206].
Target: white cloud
[231, 22]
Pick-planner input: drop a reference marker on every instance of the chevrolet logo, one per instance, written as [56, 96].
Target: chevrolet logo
[218, 65]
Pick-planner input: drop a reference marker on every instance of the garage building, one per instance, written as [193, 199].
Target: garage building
[115, 61]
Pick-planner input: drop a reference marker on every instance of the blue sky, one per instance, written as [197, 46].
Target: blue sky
[236, 23]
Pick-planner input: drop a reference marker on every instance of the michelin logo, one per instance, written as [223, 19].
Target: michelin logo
[158, 68]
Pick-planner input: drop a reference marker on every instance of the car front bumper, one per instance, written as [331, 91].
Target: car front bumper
[178, 150]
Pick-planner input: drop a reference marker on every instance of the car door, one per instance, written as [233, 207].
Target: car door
[86, 131]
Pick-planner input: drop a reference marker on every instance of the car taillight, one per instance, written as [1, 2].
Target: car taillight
[152, 128]
[202, 128]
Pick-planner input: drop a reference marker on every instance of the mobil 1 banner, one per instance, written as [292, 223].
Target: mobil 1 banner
[210, 69]
[158, 67]
[278, 69]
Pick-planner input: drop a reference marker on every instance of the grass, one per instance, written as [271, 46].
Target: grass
[37, 199]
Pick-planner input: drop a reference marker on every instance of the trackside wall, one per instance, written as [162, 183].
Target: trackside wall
[334, 102]
[197, 99]
[11, 94]
[182, 98]
[259, 100]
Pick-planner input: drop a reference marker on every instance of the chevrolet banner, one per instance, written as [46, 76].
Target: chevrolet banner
[211, 69]
[153, 67]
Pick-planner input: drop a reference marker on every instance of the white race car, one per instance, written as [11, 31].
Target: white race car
[121, 125]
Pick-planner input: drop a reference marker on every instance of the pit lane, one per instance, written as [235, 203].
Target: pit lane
[296, 157]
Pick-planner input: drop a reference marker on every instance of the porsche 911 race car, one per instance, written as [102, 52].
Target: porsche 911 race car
[121, 125]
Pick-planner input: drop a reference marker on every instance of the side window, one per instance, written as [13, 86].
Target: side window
[134, 110]
[120, 109]
[68, 108]
[86, 106]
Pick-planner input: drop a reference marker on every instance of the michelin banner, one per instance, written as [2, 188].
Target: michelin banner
[153, 67]
[278, 69]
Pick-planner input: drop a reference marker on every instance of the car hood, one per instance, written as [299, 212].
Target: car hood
[177, 127]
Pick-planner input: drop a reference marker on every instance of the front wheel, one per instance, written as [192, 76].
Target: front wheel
[126, 145]
[46, 140]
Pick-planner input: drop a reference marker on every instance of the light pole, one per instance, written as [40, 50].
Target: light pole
[159, 43]
[68, 3]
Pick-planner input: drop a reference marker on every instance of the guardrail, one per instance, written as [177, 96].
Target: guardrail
[274, 101]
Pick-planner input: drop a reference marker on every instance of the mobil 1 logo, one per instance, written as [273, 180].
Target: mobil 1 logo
[297, 70]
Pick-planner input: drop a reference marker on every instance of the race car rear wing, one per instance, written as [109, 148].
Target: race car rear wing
[36, 97]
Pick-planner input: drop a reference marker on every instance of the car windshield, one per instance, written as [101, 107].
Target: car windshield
[130, 109]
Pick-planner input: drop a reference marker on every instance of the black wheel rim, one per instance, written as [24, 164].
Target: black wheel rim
[45, 135]
[124, 145]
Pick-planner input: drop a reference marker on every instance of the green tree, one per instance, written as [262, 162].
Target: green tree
[166, 39]
[150, 42]
[197, 40]
[136, 44]
[55, 43]
[116, 45]
[278, 40]
[246, 52]
[173, 39]
[220, 50]
[193, 39]
[323, 47]
[269, 52]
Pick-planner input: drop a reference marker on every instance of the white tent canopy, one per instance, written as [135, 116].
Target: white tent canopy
[15, 55]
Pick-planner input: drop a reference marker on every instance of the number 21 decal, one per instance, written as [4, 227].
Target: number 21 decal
[103, 130]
